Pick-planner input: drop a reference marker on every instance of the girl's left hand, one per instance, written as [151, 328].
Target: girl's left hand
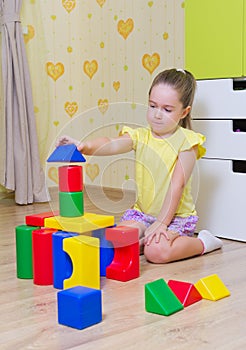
[66, 140]
[155, 231]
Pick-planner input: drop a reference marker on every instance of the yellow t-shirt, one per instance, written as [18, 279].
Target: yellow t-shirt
[155, 162]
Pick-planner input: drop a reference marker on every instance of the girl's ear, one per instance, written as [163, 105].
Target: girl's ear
[186, 111]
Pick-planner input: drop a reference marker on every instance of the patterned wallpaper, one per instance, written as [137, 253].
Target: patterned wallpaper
[91, 63]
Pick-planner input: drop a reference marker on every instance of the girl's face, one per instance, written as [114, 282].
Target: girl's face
[165, 110]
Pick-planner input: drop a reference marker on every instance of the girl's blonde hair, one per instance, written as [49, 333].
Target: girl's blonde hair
[184, 83]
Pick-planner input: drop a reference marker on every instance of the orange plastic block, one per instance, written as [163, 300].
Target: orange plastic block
[38, 219]
[185, 292]
[212, 288]
[125, 264]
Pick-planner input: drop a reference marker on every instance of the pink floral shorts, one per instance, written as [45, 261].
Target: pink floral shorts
[184, 226]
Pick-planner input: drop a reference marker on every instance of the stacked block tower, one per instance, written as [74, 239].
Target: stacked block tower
[71, 197]
[71, 248]
[72, 217]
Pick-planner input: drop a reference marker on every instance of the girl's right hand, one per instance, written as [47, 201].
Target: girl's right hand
[66, 140]
[155, 232]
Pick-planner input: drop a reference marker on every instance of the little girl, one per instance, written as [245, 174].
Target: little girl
[165, 152]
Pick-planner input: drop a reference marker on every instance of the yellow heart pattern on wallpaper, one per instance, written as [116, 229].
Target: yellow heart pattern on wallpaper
[101, 2]
[90, 68]
[55, 71]
[71, 108]
[92, 171]
[103, 105]
[53, 174]
[116, 85]
[151, 62]
[30, 34]
[69, 5]
[125, 27]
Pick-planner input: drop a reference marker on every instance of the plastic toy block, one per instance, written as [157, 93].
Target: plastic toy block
[66, 153]
[79, 307]
[185, 292]
[23, 239]
[212, 288]
[62, 264]
[70, 178]
[122, 236]
[87, 222]
[84, 253]
[125, 265]
[38, 219]
[42, 256]
[160, 299]
[106, 250]
[71, 204]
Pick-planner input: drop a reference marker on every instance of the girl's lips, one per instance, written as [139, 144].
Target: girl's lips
[155, 123]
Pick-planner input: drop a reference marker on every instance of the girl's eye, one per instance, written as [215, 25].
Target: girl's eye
[152, 106]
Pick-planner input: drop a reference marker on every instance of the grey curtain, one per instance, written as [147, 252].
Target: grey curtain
[21, 170]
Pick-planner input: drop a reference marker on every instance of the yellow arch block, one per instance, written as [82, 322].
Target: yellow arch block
[84, 252]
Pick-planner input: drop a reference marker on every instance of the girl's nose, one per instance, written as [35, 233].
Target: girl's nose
[158, 113]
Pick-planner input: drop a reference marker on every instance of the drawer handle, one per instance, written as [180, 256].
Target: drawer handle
[239, 125]
[239, 83]
[239, 166]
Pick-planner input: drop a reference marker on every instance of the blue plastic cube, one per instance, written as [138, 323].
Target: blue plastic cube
[79, 307]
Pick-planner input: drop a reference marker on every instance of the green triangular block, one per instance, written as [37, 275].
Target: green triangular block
[160, 299]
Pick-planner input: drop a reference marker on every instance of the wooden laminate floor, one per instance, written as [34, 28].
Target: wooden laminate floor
[28, 313]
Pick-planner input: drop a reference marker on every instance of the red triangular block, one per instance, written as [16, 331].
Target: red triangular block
[186, 292]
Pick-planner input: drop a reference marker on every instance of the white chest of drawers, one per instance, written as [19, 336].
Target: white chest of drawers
[219, 112]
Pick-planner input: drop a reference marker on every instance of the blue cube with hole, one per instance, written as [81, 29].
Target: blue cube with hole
[79, 307]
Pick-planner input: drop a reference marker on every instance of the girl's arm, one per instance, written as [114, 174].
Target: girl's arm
[103, 146]
[181, 174]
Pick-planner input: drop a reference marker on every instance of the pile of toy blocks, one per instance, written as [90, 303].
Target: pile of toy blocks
[72, 249]
[166, 298]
